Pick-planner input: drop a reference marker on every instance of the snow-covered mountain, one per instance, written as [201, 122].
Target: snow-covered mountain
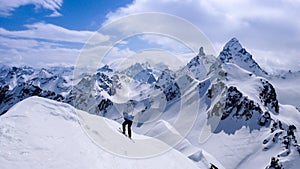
[57, 79]
[233, 52]
[226, 111]
[140, 72]
[52, 136]
[17, 84]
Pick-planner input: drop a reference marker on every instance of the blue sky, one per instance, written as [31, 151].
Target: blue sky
[75, 15]
[51, 32]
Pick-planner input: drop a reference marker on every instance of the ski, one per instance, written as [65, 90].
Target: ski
[121, 131]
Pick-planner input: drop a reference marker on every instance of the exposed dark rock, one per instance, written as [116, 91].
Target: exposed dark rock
[264, 119]
[103, 105]
[274, 164]
[166, 82]
[268, 96]
[23, 91]
[238, 105]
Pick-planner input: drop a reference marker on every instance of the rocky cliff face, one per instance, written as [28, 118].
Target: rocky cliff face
[167, 83]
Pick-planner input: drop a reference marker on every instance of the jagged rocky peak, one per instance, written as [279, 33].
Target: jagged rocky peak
[196, 66]
[231, 49]
[142, 72]
[105, 68]
[233, 52]
[233, 45]
[167, 83]
[201, 52]
[22, 91]
[44, 73]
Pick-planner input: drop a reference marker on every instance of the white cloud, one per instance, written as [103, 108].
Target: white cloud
[95, 56]
[271, 27]
[41, 44]
[282, 61]
[17, 43]
[46, 44]
[7, 6]
[55, 14]
[165, 42]
[270, 30]
[53, 32]
[35, 53]
[172, 32]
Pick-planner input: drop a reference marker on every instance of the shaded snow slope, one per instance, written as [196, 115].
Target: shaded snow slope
[40, 133]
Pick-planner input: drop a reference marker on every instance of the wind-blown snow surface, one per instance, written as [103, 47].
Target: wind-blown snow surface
[41, 133]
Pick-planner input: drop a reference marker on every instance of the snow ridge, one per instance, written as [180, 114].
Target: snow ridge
[51, 136]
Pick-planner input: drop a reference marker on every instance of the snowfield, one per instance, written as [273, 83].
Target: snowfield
[40, 133]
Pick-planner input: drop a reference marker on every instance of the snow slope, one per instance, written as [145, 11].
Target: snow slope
[41, 133]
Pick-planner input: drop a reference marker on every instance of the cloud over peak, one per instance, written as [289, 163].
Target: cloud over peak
[269, 29]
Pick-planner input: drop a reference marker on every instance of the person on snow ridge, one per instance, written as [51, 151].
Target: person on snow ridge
[128, 121]
[128, 117]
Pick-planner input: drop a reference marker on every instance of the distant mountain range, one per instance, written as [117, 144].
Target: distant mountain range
[258, 112]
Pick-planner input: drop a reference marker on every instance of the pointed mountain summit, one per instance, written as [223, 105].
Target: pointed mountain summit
[201, 52]
[233, 52]
[196, 65]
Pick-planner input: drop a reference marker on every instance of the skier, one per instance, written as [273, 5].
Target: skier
[128, 121]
